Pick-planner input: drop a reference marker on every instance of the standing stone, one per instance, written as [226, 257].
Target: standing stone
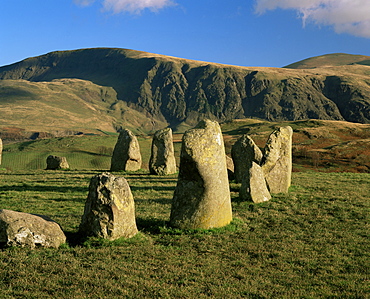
[162, 160]
[1, 150]
[109, 210]
[254, 186]
[126, 154]
[55, 162]
[28, 230]
[277, 160]
[230, 168]
[244, 152]
[202, 197]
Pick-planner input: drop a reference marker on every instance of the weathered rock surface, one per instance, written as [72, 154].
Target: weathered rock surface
[202, 196]
[55, 162]
[110, 209]
[162, 160]
[277, 160]
[29, 230]
[254, 186]
[244, 152]
[126, 154]
[230, 168]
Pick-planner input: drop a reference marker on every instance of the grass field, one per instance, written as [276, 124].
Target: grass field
[310, 243]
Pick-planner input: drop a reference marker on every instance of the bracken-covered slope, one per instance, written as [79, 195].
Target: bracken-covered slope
[179, 91]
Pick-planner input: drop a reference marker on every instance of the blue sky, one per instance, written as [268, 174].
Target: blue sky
[270, 33]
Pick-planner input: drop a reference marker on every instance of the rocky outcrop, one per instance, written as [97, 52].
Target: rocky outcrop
[126, 154]
[29, 230]
[109, 209]
[162, 159]
[202, 196]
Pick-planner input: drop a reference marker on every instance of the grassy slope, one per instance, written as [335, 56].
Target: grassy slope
[66, 105]
[320, 145]
[330, 60]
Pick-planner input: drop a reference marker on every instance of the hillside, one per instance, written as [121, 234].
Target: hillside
[150, 91]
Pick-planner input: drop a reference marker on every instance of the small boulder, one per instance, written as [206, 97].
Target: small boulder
[126, 154]
[29, 230]
[254, 186]
[277, 160]
[202, 196]
[110, 209]
[244, 152]
[162, 160]
[55, 162]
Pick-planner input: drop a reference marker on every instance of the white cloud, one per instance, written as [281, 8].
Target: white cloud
[131, 6]
[83, 2]
[346, 16]
[135, 6]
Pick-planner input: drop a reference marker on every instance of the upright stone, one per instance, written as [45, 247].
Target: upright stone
[55, 162]
[202, 196]
[29, 230]
[162, 160]
[244, 152]
[109, 210]
[1, 150]
[126, 154]
[254, 186]
[277, 160]
[230, 168]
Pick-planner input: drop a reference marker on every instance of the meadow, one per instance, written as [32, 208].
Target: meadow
[310, 243]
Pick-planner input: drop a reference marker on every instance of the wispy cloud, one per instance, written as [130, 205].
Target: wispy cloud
[131, 6]
[346, 16]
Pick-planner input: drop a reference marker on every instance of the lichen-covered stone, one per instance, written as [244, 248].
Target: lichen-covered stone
[29, 230]
[254, 186]
[277, 160]
[162, 160]
[244, 152]
[126, 154]
[56, 162]
[109, 210]
[202, 195]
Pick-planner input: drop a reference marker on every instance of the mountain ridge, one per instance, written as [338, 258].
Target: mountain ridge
[175, 91]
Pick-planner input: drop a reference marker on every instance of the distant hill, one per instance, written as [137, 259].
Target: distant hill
[104, 89]
[330, 60]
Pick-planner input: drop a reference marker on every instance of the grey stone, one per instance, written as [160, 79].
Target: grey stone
[244, 152]
[162, 160]
[277, 160]
[230, 168]
[110, 209]
[126, 154]
[254, 186]
[202, 195]
[29, 230]
[55, 162]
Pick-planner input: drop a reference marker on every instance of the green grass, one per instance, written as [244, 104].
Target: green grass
[310, 243]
